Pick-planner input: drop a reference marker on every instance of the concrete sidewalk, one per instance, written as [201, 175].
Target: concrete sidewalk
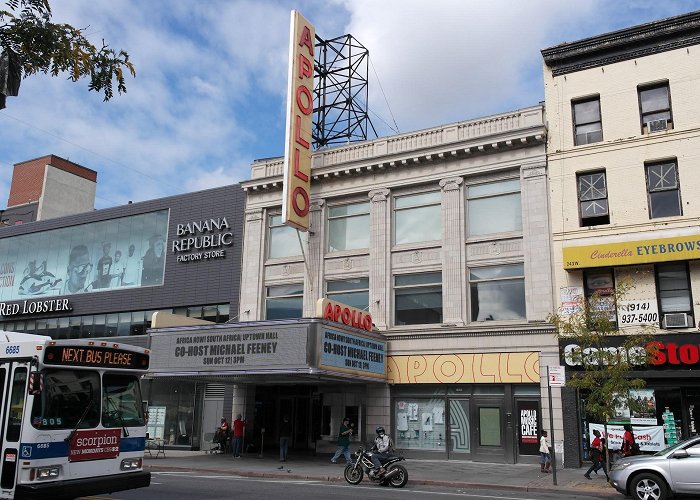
[447, 473]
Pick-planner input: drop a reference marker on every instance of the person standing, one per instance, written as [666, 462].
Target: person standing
[285, 434]
[596, 454]
[343, 442]
[545, 457]
[238, 426]
[628, 448]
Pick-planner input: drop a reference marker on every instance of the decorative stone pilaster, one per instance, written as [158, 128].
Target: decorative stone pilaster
[380, 258]
[313, 267]
[453, 250]
[252, 275]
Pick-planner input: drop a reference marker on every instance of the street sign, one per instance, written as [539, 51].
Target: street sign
[556, 376]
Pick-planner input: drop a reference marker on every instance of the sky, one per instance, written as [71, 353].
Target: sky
[209, 94]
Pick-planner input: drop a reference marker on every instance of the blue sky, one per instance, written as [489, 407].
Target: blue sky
[209, 93]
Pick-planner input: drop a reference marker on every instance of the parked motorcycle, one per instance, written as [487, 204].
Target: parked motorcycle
[396, 474]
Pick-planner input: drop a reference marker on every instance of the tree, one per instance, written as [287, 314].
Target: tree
[30, 43]
[604, 378]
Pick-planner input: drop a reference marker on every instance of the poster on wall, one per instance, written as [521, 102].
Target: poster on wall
[528, 424]
[98, 256]
[644, 410]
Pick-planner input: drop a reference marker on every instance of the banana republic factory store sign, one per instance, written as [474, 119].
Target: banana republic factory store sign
[307, 347]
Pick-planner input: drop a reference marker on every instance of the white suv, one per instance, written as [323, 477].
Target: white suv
[674, 470]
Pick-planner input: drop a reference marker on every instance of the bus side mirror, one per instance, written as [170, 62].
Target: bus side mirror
[36, 383]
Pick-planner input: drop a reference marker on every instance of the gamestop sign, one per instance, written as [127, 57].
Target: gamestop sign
[300, 106]
[94, 445]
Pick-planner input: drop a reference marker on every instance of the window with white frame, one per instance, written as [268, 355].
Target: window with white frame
[655, 107]
[593, 198]
[494, 208]
[497, 292]
[418, 299]
[673, 283]
[283, 240]
[284, 301]
[663, 190]
[352, 291]
[417, 218]
[348, 227]
[588, 126]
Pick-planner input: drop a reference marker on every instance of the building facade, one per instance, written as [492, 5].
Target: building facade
[442, 235]
[623, 133]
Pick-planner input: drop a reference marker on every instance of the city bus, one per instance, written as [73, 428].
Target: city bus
[72, 422]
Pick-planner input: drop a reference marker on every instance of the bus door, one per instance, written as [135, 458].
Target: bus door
[14, 394]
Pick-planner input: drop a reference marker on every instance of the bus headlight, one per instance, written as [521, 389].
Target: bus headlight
[51, 472]
[131, 464]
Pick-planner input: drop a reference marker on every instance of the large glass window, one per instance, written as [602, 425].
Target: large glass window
[494, 208]
[284, 301]
[420, 424]
[588, 127]
[353, 292]
[655, 107]
[675, 299]
[348, 227]
[601, 284]
[121, 401]
[105, 255]
[418, 299]
[66, 397]
[283, 240]
[497, 292]
[417, 218]
[593, 198]
[663, 190]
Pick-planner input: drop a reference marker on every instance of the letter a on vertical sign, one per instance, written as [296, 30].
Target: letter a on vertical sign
[300, 104]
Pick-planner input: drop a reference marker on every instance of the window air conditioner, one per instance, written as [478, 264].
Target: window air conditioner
[676, 320]
[657, 125]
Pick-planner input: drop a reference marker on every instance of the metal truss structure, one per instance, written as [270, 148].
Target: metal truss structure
[340, 93]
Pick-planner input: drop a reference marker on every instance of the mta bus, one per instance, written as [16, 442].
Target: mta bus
[72, 421]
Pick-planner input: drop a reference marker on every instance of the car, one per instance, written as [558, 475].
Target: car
[673, 471]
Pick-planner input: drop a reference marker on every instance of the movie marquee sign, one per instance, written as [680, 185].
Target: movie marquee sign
[202, 240]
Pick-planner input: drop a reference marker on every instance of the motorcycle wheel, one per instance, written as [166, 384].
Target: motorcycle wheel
[400, 479]
[353, 475]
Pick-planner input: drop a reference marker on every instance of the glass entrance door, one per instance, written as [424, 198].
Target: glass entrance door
[489, 430]
[460, 433]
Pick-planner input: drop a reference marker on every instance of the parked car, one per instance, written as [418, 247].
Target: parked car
[675, 470]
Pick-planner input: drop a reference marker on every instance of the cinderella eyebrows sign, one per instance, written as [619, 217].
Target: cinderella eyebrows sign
[633, 252]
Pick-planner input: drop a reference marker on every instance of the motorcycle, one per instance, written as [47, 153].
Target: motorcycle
[396, 474]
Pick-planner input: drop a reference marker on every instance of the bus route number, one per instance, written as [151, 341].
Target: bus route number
[12, 349]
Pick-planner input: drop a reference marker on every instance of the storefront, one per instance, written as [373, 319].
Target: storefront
[669, 403]
[481, 407]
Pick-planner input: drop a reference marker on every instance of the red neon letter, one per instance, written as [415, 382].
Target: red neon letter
[299, 191]
[297, 136]
[305, 40]
[305, 68]
[309, 107]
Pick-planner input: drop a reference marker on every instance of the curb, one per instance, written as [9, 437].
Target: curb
[425, 482]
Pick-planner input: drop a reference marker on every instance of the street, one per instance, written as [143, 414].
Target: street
[196, 485]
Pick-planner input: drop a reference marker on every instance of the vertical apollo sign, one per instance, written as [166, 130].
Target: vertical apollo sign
[300, 104]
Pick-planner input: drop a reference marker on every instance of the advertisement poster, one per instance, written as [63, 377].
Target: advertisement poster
[645, 414]
[94, 445]
[649, 438]
[528, 423]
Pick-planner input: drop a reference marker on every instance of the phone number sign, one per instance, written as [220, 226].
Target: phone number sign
[637, 312]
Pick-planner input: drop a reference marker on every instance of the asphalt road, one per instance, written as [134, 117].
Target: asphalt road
[195, 485]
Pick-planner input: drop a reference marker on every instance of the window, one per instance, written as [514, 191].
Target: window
[283, 240]
[418, 299]
[16, 406]
[655, 108]
[348, 227]
[420, 424]
[494, 208]
[121, 401]
[663, 190]
[588, 127]
[673, 282]
[593, 199]
[497, 292]
[417, 218]
[284, 302]
[67, 396]
[601, 282]
[353, 292]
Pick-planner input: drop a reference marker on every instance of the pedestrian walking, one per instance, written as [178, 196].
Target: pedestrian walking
[238, 426]
[343, 442]
[285, 434]
[545, 457]
[597, 456]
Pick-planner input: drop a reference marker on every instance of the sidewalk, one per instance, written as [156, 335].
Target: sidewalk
[448, 473]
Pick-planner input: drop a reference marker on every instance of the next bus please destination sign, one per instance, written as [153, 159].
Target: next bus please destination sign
[98, 357]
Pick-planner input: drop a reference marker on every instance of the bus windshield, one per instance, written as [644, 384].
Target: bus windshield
[67, 395]
[121, 401]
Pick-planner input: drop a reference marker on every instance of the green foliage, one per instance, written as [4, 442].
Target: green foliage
[26, 31]
[603, 379]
